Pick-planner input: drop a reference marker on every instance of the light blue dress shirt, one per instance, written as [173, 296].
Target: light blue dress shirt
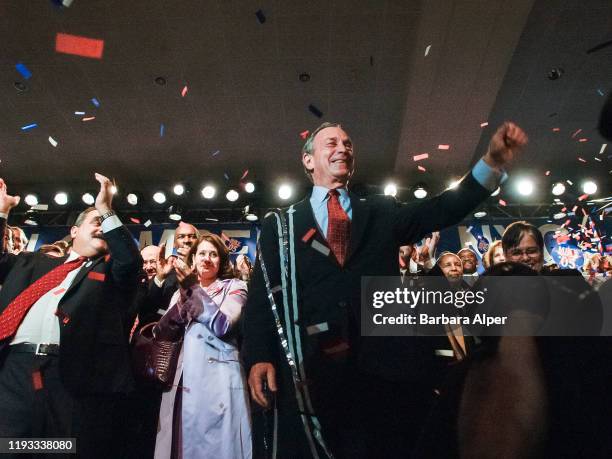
[484, 174]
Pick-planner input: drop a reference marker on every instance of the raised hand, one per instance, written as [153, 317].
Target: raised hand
[505, 145]
[105, 196]
[7, 202]
[164, 266]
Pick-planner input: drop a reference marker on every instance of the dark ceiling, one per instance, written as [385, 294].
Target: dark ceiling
[402, 76]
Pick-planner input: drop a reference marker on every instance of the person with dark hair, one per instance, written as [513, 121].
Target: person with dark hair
[206, 414]
[64, 363]
[522, 242]
[469, 259]
[302, 321]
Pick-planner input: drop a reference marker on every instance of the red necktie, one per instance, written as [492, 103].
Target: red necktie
[11, 317]
[338, 227]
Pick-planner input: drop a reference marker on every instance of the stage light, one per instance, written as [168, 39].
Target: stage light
[420, 192]
[61, 198]
[480, 214]
[209, 191]
[88, 199]
[232, 195]
[31, 200]
[174, 213]
[558, 189]
[252, 217]
[390, 190]
[496, 192]
[285, 191]
[132, 199]
[159, 197]
[178, 189]
[524, 187]
[249, 187]
[589, 187]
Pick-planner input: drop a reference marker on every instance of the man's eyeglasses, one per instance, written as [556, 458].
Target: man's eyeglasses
[529, 251]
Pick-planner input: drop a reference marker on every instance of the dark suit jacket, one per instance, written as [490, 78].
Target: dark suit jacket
[94, 356]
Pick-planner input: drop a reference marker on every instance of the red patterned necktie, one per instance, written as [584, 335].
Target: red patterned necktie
[11, 317]
[338, 227]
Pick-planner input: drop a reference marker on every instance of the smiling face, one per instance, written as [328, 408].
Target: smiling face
[498, 255]
[469, 260]
[149, 257]
[527, 252]
[207, 261]
[451, 267]
[331, 162]
[87, 238]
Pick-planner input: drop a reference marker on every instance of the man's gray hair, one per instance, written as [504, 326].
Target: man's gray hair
[81, 218]
[308, 148]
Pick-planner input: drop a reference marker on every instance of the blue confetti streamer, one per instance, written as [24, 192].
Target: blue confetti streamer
[600, 92]
[95, 102]
[29, 126]
[216, 153]
[162, 128]
[226, 176]
[79, 113]
[25, 72]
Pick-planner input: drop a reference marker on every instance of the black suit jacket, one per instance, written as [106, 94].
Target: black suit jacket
[94, 355]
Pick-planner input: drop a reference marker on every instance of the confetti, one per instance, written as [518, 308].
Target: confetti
[27, 127]
[583, 140]
[421, 168]
[79, 46]
[443, 147]
[25, 72]
[596, 158]
[583, 197]
[89, 118]
[582, 160]
[52, 141]
[574, 208]
[556, 129]
[569, 182]
[420, 157]
[304, 134]
[40, 207]
[547, 173]
[315, 111]
[576, 133]
[135, 220]
[486, 123]
[184, 91]
[427, 50]
[216, 153]
[502, 203]
[244, 174]
[147, 223]
[603, 147]
[162, 129]
[226, 176]
[600, 92]
[469, 229]
[95, 102]
[261, 17]
[59, 291]
[79, 113]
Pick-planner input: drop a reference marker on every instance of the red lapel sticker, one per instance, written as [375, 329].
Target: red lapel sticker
[37, 380]
[308, 236]
[96, 276]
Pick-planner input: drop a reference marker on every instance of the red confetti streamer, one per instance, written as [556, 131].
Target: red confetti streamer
[574, 208]
[556, 129]
[583, 197]
[582, 160]
[421, 168]
[486, 123]
[502, 203]
[184, 91]
[567, 222]
[89, 118]
[244, 174]
[583, 140]
[304, 134]
[420, 157]
[547, 173]
[576, 133]
[135, 220]
[443, 147]
[79, 46]
[564, 209]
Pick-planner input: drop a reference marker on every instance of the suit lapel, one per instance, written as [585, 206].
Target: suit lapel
[306, 230]
[359, 222]
[81, 275]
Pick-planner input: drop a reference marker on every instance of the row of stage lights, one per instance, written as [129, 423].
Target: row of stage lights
[524, 187]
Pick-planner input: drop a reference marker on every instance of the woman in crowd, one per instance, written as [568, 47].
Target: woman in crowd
[206, 415]
[494, 255]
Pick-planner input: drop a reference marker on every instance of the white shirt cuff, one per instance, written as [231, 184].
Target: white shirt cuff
[111, 223]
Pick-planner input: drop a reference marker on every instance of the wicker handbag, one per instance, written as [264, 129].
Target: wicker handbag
[154, 360]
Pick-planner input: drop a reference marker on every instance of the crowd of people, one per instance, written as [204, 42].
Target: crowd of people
[271, 360]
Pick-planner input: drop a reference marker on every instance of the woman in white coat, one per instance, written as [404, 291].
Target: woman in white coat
[206, 413]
